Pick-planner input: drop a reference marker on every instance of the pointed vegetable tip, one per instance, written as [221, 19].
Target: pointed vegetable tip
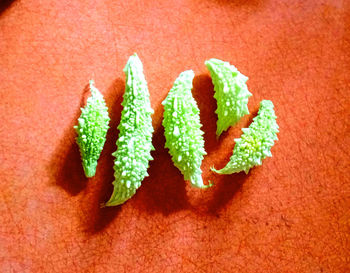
[197, 182]
[90, 169]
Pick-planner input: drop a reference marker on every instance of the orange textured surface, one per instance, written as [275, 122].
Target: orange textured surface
[292, 214]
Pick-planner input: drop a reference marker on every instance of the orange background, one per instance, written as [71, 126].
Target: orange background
[292, 214]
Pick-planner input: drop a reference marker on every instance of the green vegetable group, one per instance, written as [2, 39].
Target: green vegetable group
[182, 128]
[92, 129]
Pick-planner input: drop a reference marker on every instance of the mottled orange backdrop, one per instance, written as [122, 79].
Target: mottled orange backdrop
[292, 214]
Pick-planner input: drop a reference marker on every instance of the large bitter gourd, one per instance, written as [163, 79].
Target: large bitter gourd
[135, 135]
[181, 122]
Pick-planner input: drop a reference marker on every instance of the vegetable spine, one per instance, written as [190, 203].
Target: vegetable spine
[231, 93]
[92, 129]
[181, 123]
[134, 143]
[255, 143]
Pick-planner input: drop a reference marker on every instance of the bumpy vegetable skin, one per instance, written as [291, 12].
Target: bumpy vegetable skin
[135, 135]
[255, 143]
[92, 129]
[231, 93]
[181, 123]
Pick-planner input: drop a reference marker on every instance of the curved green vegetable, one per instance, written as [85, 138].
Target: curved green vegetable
[92, 129]
[255, 143]
[231, 93]
[135, 135]
[181, 122]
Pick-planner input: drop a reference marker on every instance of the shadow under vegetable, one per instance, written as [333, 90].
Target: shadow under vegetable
[66, 163]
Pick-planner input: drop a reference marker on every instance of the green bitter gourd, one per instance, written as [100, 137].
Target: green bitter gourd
[181, 123]
[135, 135]
[256, 142]
[92, 129]
[231, 93]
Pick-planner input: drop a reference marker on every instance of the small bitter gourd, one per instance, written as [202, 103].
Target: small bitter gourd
[135, 135]
[231, 93]
[181, 123]
[92, 129]
[255, 143]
